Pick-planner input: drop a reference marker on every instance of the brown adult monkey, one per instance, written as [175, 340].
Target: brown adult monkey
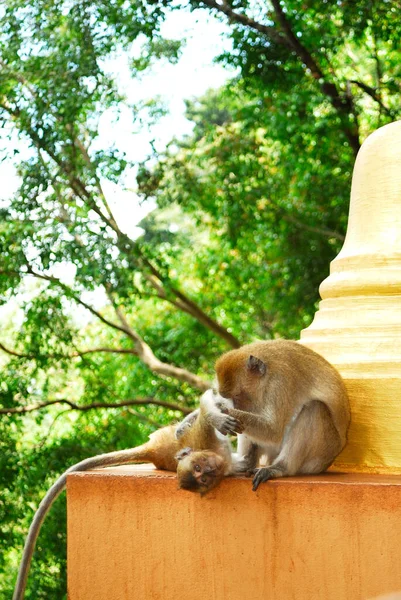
[290, 403]
[194, 448]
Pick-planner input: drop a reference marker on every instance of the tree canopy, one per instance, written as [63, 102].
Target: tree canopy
[116, 335]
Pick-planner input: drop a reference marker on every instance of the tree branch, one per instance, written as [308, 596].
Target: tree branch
[145, 353]
[129, 246]
[185, 304]
[267, 30]
[19, 78]
[52, 424]
[76, 354]
[13, 352]
[320, 230]
[341, 103]
[295, 44]
[141, 348]
[95, 405]
[71, 294]
[84, 153]
[144, 418]
[105, 350]
[372, 93]
[325, 231]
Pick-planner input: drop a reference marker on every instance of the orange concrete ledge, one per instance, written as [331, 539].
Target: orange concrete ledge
[133, 536]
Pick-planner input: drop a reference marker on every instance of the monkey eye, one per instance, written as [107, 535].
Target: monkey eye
[203, 479]
[198, 468]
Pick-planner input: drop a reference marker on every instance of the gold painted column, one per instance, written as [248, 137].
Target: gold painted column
[358, 325]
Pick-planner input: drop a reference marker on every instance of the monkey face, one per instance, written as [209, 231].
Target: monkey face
[199, 471]
[239, 377]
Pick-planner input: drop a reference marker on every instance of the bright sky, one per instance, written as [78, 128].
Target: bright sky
[190, 77]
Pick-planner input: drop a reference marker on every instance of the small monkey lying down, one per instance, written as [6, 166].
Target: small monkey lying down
[200, 455]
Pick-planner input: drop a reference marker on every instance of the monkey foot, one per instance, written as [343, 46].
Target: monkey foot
[263, 474]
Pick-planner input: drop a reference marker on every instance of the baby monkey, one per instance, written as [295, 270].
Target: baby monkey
[200, 455]
[288, 401]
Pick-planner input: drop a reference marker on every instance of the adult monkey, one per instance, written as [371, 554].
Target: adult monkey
[200, 455]
[288, 401]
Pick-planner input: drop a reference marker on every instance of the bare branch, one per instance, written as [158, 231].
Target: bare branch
[76, 354]
[95, 405]
[103, 349]
[145, 353]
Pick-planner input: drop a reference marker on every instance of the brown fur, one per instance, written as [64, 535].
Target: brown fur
[286, 399]
[200, 471]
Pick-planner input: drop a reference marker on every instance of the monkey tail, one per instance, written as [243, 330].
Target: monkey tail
[133, 455]
[40, 515]
[140, 454]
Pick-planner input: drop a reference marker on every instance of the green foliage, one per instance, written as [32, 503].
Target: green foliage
[156, 49]
[275, 216]
[251, 208]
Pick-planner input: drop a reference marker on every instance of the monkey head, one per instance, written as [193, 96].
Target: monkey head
[199, 471]
[240, 375]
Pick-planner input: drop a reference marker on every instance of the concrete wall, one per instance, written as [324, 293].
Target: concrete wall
[133, 536]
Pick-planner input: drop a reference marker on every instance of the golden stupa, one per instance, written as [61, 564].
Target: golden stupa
[358, 324]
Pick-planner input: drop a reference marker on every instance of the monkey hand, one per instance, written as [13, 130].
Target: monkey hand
[226, 424]
[223, 404]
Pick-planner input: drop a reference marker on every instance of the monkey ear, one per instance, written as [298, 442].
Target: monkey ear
[256, 365]
[183, 453]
